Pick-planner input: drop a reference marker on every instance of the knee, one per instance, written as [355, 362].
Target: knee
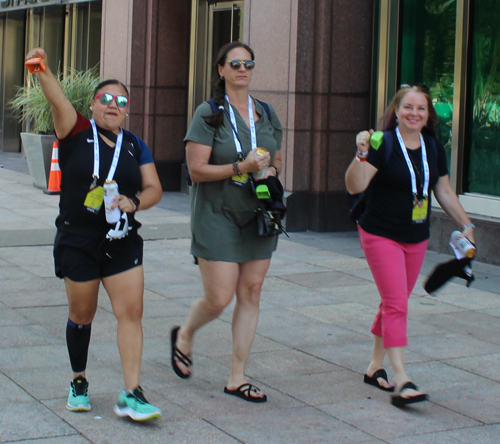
[250, 294]
[216, 306]
[131, 312]
[82, 315]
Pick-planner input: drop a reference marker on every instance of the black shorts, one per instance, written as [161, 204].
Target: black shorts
[82, 259]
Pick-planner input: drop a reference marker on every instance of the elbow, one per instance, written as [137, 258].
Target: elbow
[195, 178]
[354, 189]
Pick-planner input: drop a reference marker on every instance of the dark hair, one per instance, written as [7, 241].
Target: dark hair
[389, 117]
[219, 85]
[110, 82]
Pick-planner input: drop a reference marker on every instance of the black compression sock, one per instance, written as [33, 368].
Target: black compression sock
[78, 340]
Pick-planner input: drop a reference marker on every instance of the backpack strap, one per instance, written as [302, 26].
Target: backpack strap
[389, 143]
[215, 107]
[266, 108]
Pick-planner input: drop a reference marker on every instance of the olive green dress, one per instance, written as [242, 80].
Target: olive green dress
[223, 222]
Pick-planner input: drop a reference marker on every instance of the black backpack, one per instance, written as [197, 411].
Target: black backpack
[357, 202]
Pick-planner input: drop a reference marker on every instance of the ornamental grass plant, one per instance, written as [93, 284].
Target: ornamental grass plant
[31, 106]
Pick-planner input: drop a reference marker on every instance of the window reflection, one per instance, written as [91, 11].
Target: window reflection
[483, 156]
[428, 55]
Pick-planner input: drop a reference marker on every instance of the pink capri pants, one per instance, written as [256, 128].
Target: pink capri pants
[395, 266]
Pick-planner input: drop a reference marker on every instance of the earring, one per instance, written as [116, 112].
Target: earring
[221, 77]
[397, 120]
[126, 114]
[90, 108]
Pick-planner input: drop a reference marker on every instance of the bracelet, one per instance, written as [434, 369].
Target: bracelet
[277, 171]
[465, 226]
[360, 159]
[359, 153]
[236, 169]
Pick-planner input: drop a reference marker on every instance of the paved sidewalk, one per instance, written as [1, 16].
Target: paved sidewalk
[311, 350]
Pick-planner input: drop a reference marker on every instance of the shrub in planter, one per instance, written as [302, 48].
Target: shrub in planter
[32, 107]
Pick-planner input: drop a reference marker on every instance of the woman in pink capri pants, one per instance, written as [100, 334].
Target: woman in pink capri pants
[394, 227]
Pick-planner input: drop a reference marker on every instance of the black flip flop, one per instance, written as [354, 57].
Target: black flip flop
[399, 401]
[373, 380]
[176, 353]
[244, 392]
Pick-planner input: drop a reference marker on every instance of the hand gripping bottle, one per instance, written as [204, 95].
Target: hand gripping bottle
[110, 192]
[462, 244]
[35, 64]
[259, 152]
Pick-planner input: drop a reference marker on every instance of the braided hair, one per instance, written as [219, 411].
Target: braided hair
[219, 84]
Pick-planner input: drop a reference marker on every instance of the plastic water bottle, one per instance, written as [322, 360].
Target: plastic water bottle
[463, 244]
[110, 192]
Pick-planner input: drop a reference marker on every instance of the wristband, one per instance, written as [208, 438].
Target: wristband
[360, 159]
[136, 201]
[359, 153]
[465, 226]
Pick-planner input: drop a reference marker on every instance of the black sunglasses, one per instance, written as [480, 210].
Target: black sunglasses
[248, 64]
[422, 86]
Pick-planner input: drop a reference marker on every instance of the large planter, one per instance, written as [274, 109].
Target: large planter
[38, 151]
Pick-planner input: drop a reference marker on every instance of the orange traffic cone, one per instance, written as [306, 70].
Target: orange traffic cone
[55, 172]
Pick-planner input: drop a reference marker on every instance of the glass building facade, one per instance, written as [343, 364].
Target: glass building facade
[71, 32]
[453, 46]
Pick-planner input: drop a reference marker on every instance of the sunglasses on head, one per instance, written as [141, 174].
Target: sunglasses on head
[423, 87]
[248, 64]
[106, 99]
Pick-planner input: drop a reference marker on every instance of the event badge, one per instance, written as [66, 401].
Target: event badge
[94, 200]
[240, 181]
[420, 208]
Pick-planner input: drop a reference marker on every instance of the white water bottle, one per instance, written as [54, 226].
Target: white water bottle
[462, 244]
[110, 192]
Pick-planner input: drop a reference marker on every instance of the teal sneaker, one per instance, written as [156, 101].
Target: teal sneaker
[136, 406]
[78, 398]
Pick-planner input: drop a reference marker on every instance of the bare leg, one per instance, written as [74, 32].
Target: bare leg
[245, 318]
[126, 291]
[377, 361]
[82, 304]
[219, 283]
[396, 356]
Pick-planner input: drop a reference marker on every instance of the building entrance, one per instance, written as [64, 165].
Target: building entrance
[213, 24]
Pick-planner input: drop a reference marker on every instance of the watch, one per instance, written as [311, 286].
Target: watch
[277, 171]
[136, 201]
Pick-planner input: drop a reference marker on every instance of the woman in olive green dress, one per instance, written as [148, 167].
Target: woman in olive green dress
[231, 256]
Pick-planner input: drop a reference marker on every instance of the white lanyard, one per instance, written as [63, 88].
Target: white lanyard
[425, 188]
[116, 156]
[253, 136]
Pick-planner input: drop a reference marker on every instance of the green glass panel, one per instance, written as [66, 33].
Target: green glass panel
[483, 153]
[428, 55]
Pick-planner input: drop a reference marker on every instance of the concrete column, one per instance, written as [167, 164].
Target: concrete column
[116, 46]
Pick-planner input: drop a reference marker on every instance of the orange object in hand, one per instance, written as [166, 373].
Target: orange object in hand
[35, 65]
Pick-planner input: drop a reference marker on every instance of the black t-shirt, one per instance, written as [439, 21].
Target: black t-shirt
[389, 203]
[76, 160]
